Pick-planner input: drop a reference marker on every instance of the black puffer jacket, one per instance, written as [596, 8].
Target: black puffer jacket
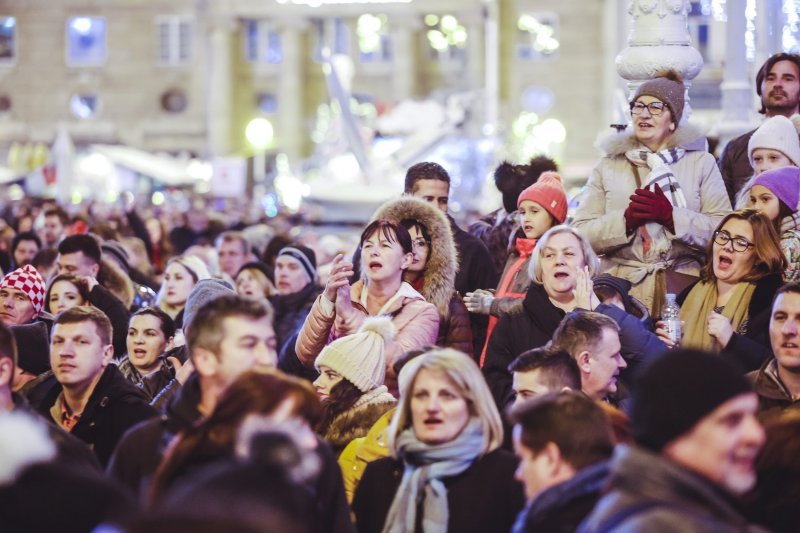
[734, 164]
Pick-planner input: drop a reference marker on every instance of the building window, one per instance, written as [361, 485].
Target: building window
[8, 40]
[86, 41]
[332, 34]
[262, 42]
[174, 35]
[537, 35]
[267, 103]
[84, 106]
[374, 42]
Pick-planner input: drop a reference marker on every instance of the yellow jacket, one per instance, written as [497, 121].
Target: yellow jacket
[362, 451]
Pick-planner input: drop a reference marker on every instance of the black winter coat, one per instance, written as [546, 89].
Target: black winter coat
[515, 333]
[475, 271]
[114, 406]
[560, 509]
[117, 313]
[290, 313]
[141, 449]
[484, 498]
[749, 351]
[734, 164]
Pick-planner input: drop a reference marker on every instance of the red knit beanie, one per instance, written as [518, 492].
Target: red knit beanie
[549, 193]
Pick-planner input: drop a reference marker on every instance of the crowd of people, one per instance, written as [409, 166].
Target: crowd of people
[519, 376]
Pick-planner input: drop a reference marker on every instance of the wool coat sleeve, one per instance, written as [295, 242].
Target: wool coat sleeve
[455, 331]
[603, 226]
[695, 228]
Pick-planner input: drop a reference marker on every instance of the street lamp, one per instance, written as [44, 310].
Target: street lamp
[259, 133]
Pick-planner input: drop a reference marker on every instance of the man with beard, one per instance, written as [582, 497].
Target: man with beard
[778, 85]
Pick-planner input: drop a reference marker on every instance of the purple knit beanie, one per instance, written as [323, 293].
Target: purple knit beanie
[782, 182]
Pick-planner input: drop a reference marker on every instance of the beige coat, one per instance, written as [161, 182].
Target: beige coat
[599, 216]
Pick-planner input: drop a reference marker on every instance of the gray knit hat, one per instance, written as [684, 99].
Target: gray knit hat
[669, 89]
[359, 357]
[203, 292]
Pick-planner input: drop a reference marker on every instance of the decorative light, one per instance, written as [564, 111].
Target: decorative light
[718, 10]
[82, 25]
[157, 198]
[541, 34]
[445, 32]
[790, 31]
[750, 32]
[369, 29]
[259, 133]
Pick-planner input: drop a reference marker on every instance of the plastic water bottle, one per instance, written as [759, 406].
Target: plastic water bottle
[671, 317]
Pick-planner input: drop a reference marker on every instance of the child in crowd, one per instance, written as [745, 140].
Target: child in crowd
[541, 206]
[776, 193]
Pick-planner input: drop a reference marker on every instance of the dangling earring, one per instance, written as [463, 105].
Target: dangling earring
[671, 126]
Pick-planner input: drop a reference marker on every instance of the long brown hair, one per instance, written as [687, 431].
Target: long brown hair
[769, 256]
[253, 392]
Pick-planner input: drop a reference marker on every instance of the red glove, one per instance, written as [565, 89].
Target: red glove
[652, 207]
[632, 220]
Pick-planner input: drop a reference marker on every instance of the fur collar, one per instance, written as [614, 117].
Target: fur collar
[116, 281]
[440, 271]
[356, 422]
[686, 136]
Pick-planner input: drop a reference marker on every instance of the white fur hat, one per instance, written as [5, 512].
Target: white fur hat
[777, 133]
[359, 357]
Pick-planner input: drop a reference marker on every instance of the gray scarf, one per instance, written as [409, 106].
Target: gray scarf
[425, 466]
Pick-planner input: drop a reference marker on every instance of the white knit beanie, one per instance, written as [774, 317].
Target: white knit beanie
[776, 133]
[359, 357]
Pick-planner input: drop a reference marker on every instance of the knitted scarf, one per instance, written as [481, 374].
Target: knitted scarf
[661, 175]
[701, 301]
[425, 467]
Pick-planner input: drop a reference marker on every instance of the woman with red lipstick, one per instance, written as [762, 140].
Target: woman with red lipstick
[433, 268]
[446, 471]
[651, 205]
[728, 310]
[386, 253]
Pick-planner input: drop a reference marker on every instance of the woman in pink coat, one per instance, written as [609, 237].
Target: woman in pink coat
[386, 253]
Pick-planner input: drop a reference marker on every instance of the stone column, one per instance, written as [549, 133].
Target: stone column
[289, 133]
[220, 85]
[403, 29]
[491, 37]
[737, 90]
[659, 40]
[769, 29]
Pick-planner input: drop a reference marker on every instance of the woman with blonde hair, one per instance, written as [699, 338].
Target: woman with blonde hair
[447, 471]
[180, 276]
[728, 310]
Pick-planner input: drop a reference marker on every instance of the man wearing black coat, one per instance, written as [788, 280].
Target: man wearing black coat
[476, 269]
[212, 337]
[564, 441]
[90, 399]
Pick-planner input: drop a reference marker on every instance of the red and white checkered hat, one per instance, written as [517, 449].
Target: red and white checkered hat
[28, 280]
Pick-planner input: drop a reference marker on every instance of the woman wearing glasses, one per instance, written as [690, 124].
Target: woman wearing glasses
[728, 310]
[433, 269]
[651, 205]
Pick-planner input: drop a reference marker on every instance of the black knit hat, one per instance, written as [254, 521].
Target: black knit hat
[678, 390]
[261, 267]
[305, 256]
[32, 346]
[115, 249]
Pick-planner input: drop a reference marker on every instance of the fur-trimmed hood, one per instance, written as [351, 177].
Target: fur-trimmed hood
[116, 281]
[687, 136]
[440, 271]
[356, 422]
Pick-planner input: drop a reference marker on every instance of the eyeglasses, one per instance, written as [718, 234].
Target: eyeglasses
[740, 244]
[420, 243]
[655, 108]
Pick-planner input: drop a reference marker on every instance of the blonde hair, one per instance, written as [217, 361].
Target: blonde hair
[589, 257]
[469, 381]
